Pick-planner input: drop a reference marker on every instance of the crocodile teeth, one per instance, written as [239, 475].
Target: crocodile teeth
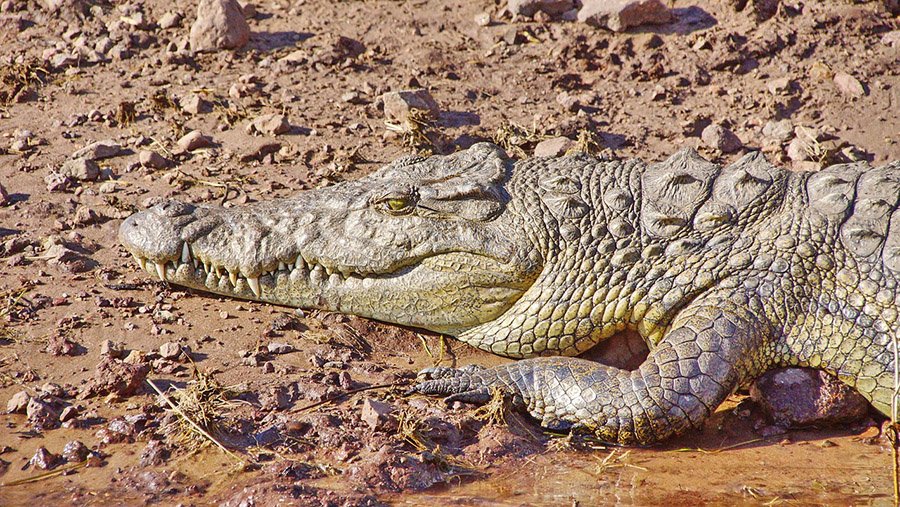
[233, 277]
[253, 282]
[282, 266]
[329, 271]
[185, 253]
[161, 270]
[142, 262]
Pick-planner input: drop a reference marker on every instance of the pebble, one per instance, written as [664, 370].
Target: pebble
[397, 105]
[619, 15]
[891, 39]
[720, 138]
[75, 452]
[531, 7]
[280, 348]
[194, 140]
[553, 147]
[170, 20]
[152, 160]
[44, 459]
[169, 350]
[483, 19]
[376, 414]
[801, 397]
[194, 104]
[778, 130]
[81, 169]
[849, 85]
[17, 403]
[99, 150]
[779, 86]
[220, 24]
[269, 124]
[4, 196]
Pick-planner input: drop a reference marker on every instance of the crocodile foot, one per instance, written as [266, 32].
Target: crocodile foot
[468, 384]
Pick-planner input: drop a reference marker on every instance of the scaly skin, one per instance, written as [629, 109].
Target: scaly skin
[725, 272]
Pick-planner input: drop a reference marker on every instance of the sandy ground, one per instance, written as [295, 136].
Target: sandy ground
[94, 72]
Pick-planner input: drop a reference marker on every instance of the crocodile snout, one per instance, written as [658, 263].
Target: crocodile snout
[156, 233]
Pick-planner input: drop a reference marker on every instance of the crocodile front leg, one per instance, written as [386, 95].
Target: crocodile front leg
[712, 347]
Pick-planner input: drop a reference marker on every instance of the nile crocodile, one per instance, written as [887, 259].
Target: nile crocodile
[725, 272]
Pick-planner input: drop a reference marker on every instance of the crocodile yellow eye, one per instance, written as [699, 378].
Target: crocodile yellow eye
[397, 204]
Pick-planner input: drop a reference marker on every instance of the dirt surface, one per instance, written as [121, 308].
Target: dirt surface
[83, 329]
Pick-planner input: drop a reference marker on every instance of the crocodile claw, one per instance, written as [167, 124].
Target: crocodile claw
[466, 384]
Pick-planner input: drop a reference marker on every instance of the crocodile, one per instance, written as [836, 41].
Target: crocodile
[725, 272]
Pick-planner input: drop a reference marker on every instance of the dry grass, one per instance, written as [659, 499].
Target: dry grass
[516, 140]
[18, 77]
[410, 429]
[200, 409]
[494, 412]
[418, 132]
[126, 113]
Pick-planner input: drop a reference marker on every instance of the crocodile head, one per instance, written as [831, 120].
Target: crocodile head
[426, 243]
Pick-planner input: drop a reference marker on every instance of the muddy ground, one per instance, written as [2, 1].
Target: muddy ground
[83, 328]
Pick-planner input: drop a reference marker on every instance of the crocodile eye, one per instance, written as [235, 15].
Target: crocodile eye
[397, 204]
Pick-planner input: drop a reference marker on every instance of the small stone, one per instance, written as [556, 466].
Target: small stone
[4, 196]
[553, 147]
[169, 350]
[154, 454]
[134, 357]
[98, 151]
[194, 140]
[269, 124]
[483, 19]
[779, 86]
[619, 15]
[720, 138]
[798, 150]
[170, 20]
[531, 7]
[820, 71]
[397, 105]
[280, 348]
[44, 459]
[220, 24]
[891, 39]
[117, 377]
[41, 414]
[68, 413]
[377, 414]
[779, 130]
[354, 97]
[18, 403]
[75, 452]
[152, 160]
[849, 85]
[80, 169]
[513, 36]
[802, 397]
[85, 215]
[193, 103]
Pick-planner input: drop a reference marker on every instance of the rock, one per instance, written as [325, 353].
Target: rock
[75, 452]
[553, 147]
[80, 169]
[280, 348]
[799, 149]
[530, 7]
[98, 151]
[110, 348]
[220, 24]
[169, 350]
[482, 19]
[819, 71]
[891, 39]
[269, 124]
[397, 105]
[779, 130]
[114, 376]
[85, 215]
[377, 414]
[849, 85]
[68, 413]
[194, 140]
[619, 15]
[513, 36]
[41, 414]
[154, 454]
[44, 459]
[152, 160]
[779, 86]
[170, 20]
[720, 138]
[4, 196]
[193, 103]
[17, 403]
[802, 397]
